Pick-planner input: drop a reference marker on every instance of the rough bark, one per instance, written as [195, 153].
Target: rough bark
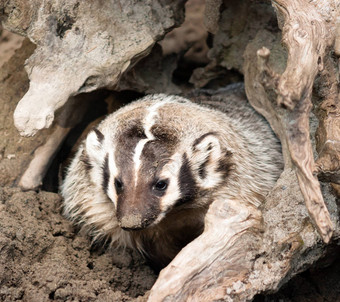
[328, 134]
[294, 131]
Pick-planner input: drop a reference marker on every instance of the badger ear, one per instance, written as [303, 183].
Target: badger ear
[93, 144]
[209, 160]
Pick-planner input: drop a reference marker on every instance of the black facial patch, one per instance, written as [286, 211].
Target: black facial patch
[158, 151]
[154, 156]
[126, 144]
[202, 168]
[153, 151]
[186, 182]
[100, 136]
[135, 131]
[164, 135]
[106, 174]
[201, 138]
[225, 164]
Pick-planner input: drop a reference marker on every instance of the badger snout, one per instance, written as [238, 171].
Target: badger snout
[134, 221]
[135, 211]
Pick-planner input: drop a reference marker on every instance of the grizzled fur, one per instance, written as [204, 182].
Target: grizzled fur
[145, 177]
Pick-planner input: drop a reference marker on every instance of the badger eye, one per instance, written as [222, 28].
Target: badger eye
[118, 186]
[161, 185]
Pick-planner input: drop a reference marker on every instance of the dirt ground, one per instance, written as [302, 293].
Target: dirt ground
[42, 258]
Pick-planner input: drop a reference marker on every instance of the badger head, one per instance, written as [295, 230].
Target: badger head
[150, 163]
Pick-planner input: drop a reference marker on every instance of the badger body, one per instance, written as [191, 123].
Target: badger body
[146, 175]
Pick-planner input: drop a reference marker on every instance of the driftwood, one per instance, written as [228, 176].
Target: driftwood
[251, 257]
[78, 51]
[306, 31]
[244, 250]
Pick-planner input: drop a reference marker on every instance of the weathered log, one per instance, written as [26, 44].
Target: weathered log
[307, 36]
[238, 256]
[79, 51]
[238, 23]
[294, 130]
[308, 32]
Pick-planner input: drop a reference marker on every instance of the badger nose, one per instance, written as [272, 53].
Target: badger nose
[133, 222]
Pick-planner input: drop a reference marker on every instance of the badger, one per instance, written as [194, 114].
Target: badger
[146, 175]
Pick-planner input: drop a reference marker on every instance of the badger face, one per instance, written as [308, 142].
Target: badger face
[148, 167]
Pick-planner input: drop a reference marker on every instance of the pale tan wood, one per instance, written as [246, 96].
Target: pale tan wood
[294, 131]
[217, 259]
[306, 36]
[243, 251]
